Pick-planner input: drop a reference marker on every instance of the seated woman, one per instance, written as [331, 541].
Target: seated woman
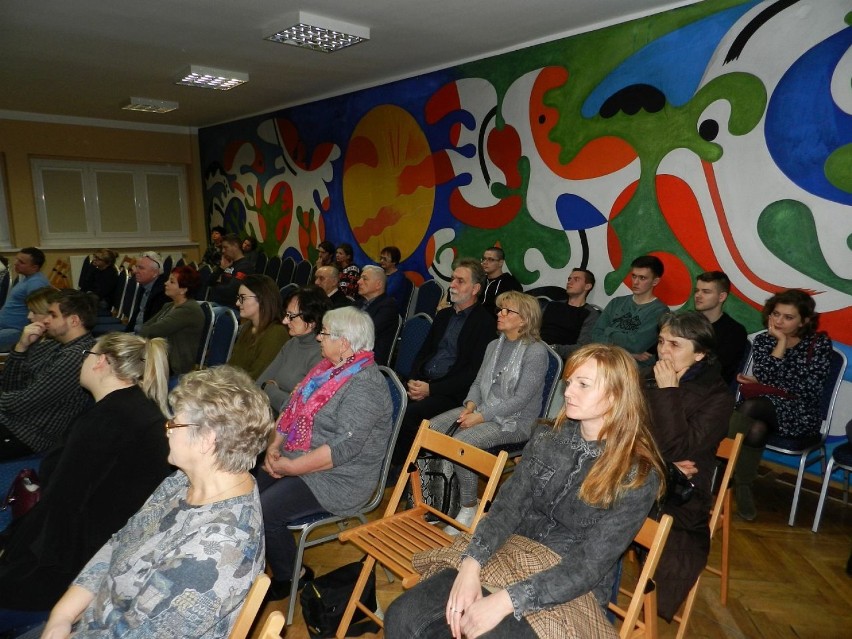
[250, 252]
[582, 491]
[331, 440]
[261, 333]
[114, 456]
[101, 278]
[504, 400]
[303, 318]
[782, 396]
[691, 407]
[183, 564]
[180, 321]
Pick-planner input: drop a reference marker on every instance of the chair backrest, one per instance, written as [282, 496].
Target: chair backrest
[131, 299]
[395, 341]
[260, 263]
[225, 328]
[302, 274]
[429, 295]
[85, 267]
[836, 369]
[181, 262]
[551, 377]
[287, 289]
[167, 265]
[272, 626]
[552, 293]
[431, 442]
[652, 537]
[729, 450]
[412, 338]
[206, 333]
[251, 605]
[273, 265]
[285, 273]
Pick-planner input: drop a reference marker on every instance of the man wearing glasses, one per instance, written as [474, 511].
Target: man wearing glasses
[497, 281]
[234, 268]
[40, 392]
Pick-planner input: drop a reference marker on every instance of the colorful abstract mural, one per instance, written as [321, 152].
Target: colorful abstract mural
[716, 136]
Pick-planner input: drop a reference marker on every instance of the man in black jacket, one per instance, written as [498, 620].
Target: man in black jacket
[151, 295]
[451, 355]
[381, 308]
[232, 271]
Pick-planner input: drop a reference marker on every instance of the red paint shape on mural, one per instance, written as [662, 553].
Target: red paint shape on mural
[321, 155]
[613, 244]
[504, 149]
[289, 137]
[443, 102]
[372, 227]
[434, 169]
[491, 217]
[429, 252]
[838, 324]
[599, 157]
[326, 202]
[683, 215]
[361, 151]
[261, 227]
[455, 133]
[414, 277]
[675, 286]
[230, 155]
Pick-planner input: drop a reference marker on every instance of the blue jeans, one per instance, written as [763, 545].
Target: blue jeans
[21, 620]
[420, 613]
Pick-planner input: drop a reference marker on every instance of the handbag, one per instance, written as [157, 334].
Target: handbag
[756, 389]
[324, 601]
[24, 493]
[679, 489]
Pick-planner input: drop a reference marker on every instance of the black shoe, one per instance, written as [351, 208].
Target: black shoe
[280, 588]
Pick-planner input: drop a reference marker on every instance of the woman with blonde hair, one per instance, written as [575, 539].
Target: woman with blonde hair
[578, 497]
[113, 458]
[505, 398]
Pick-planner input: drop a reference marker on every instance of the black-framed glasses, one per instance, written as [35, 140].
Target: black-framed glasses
[242, 298]
[325, 334]
[85, 354]
[291, 316]
[171, 424]
[500, 309]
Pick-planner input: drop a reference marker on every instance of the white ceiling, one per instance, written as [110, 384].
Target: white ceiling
[83, 58]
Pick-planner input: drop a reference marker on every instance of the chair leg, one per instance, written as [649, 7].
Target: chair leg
[349, 613]
[826, 480]
[799, 478]
[687, 610]
[726, 549]
[297, 570]
[650, 615]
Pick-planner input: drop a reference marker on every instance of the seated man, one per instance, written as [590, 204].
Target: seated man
[233, 268]
[497, 281]
[40, 392]
[568, 326]
[13, 315]
[631, 321]
[397, 286]
[451, 355]
[711, 291]
[328, 279]
[151, 296]
[381, 308]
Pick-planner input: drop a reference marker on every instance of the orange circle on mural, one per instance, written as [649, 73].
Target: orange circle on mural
[389, 152]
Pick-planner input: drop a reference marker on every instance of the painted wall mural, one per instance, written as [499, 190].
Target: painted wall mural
[716, 136]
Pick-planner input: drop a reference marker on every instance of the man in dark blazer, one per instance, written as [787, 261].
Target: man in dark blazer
[151, 295]
[327, 278]
[381, 308]
[451, 355]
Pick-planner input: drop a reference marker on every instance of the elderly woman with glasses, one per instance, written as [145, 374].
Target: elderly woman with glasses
[261, 334]
[303, 319]
[183, 564]
[504, 400]
[113, 457]
[330, 442]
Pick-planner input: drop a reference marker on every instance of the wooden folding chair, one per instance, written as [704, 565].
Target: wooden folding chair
[253, 602]
[729, 450]
[652, 537]
[394, 539]
[272, 626]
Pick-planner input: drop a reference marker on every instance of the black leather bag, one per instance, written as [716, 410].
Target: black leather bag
[324, 601]
[679, 489]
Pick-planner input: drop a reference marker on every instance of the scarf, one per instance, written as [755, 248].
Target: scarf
[314, 392]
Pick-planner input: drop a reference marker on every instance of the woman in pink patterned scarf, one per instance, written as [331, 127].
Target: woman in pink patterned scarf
[330, 442]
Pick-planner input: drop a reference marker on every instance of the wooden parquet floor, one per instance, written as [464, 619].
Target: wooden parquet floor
[785, 582]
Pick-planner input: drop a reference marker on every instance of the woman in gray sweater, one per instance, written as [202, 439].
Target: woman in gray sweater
[502, 404]
[303, 318]
[330, 442]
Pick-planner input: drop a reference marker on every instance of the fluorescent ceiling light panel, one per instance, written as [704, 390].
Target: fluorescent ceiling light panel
[207, 78]
[318, 33]
[149, 105]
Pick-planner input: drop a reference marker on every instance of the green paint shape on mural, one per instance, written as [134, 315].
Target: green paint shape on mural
[838, 168]
[787, 228]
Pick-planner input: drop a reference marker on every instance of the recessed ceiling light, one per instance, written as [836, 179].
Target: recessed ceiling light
[318, 33]
[149, 105]
[207, 78]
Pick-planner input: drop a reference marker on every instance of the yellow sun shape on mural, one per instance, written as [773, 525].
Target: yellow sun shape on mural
[389, 152]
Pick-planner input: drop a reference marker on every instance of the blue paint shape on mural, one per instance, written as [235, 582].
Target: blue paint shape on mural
[801, 145]
[674, 64]
[576, 213]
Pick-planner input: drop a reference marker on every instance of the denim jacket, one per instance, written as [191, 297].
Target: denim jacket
[540, 502]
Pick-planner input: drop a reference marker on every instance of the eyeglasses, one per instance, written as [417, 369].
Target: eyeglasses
[500, 309]
[170, 424]
[242, 298]
[291, 316]
[325, 334]
[488, 259]
[87, 353]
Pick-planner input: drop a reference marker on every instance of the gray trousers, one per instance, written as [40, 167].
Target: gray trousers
[485, 435]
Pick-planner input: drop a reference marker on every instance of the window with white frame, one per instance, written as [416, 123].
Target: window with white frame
[98, 203]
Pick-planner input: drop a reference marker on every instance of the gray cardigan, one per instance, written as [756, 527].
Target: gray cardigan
[356, 425]
[299, 355]
[182, 326]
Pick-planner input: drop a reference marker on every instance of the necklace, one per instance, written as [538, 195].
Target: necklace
[213, 497]
[495, 375]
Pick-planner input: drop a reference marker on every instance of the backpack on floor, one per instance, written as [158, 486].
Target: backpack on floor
[324, 601]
